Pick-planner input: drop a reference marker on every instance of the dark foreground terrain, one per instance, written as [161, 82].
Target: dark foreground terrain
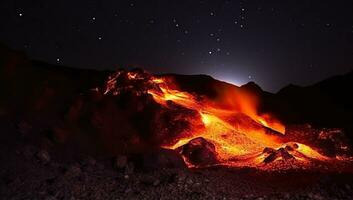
[30, 171]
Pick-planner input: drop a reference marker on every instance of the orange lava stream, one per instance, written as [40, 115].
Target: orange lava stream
[241, 136]
[235, 144]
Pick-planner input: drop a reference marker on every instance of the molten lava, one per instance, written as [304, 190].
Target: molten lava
[235, 135]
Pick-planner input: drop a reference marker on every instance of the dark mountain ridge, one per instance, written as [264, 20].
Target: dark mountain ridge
[35, 88]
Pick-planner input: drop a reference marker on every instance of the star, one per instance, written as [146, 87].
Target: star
[57, 59]
[20, 14]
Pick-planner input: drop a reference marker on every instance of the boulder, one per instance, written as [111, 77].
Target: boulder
[199, 152]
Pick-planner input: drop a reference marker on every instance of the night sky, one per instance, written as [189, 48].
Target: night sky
[272, 43]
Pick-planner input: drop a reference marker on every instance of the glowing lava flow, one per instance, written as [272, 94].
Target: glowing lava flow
[233, 135]
[236, 143]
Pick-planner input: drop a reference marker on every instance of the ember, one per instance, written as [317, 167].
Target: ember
[234, 135]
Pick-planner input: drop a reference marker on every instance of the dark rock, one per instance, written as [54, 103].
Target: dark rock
[288, 148]
[268, 150]
[73, 171]
[150, 181]
[50, 181]
[189, 181]
[181, 177]
[49, 197]
[163, 158]
[199, 152]
[271, 157]
[43, 156]
[348, 187]
[129, 168]
[128, 190]
[89, 161]
[274, 154]
[120, 162]
[252, 87]
[284, 154]
[100, 166]
[28, 151]
[24, 127]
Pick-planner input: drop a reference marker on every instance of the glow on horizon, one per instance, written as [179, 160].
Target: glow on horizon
[232, 80]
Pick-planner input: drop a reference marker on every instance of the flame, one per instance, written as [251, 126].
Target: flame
[231, 123]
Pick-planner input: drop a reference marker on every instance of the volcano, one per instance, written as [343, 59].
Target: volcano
[64, 122]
